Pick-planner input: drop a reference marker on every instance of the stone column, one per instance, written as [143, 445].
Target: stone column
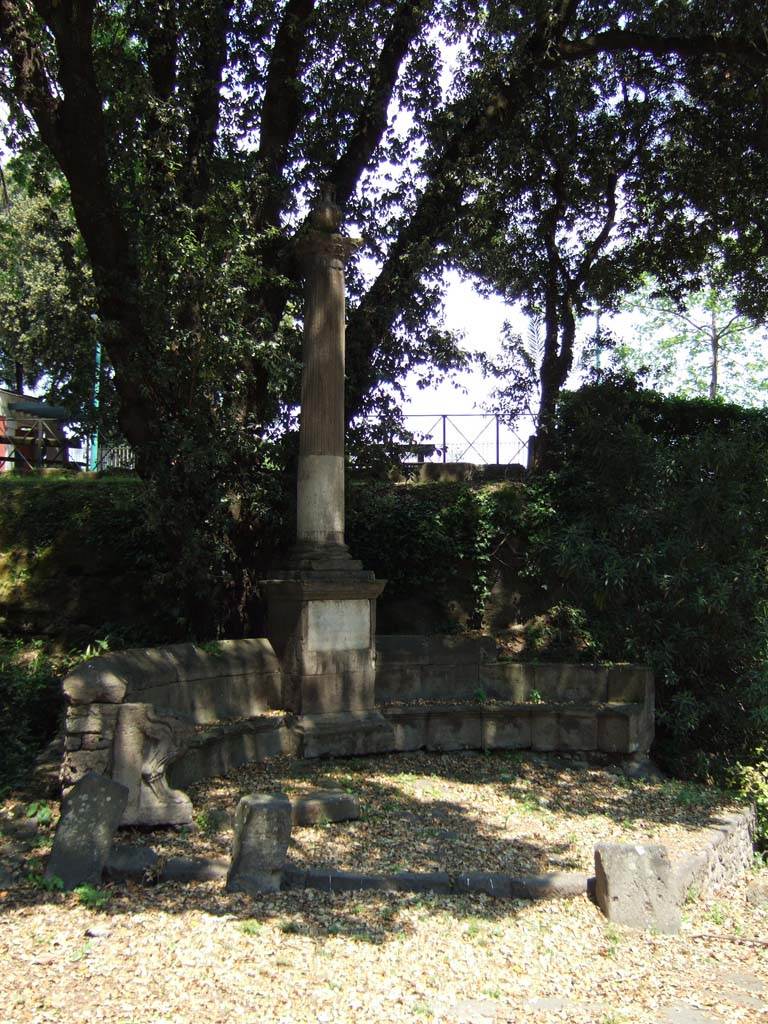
[321, 610]
[323, 253]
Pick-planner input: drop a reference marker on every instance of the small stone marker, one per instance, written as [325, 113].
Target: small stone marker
[90, 814]
[260, 843]
[324, 805]
[634, 886]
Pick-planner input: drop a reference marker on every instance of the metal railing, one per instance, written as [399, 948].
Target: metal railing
[482, 438]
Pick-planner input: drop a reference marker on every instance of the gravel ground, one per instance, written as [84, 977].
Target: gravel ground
[455, 812]
[193, 954]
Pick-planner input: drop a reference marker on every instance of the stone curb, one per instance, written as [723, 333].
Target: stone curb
[138, 862]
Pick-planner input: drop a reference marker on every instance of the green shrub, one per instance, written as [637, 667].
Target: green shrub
[653, 520]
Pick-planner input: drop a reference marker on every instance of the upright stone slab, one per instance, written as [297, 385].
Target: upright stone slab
[90, 814]
[635, 886]
[260, 843]
[321, 609]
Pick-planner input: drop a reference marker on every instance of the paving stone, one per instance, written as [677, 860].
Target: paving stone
[261, 833]
[90, 814]
[635, 886]
[325, 805]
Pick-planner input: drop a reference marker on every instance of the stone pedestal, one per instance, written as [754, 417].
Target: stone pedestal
[323, 631]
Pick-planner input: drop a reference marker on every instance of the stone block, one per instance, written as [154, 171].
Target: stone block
[147, 741]
[92, 741]
[97, 718]
[564, 683]
[224, 659]
[337, 692]
[90, 814]
[458, 728]
[325, 805]
[507, 680]
[449, 682]
[220, 749]
[545, 732]
[402, 649]
[261, 834]
[635, 886]
[507, 728]
[397, 682]
[629, 684]
[577, 729]
[617, 729]
[409, 727]
[344, 735]
[307, 662]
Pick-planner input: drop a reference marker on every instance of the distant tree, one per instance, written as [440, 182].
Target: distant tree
[48, 320]
[697, 346]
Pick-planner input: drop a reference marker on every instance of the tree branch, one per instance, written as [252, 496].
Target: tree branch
[372, 120]
[746, 49]
[206, 100]
[281, 108]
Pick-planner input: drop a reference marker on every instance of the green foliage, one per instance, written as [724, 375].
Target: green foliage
[30, 700]
[751, 782]
[45, 883]
[92, 897]
[438, 538]
[656, 528]
[40, 811]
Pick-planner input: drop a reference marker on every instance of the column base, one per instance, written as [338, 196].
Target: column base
[344, 734]
[324, 560]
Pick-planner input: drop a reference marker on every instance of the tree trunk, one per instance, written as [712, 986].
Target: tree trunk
[714, 344]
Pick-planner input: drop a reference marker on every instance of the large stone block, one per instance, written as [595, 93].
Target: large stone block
[629, 684]
[507, 728]
[618, 729]
[455, 728]
[261, 834]
[402, 649]
[344, 735]
[337, 692]
[409, 727]
[220, 749]
[635, 886]
[147, 742]
[450, 682]
[92, 718]
[323, 805]
[564, 683]
[577, 729]
[90, 814]
[545, 732]
[507, 680]
[397, 682]
[223, 659]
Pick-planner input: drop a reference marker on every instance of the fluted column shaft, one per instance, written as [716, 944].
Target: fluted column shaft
[320, 497]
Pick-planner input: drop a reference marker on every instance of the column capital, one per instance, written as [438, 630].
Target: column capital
[312, 244]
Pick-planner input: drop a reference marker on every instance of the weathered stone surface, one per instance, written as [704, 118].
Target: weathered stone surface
[629, 684]
[219, 749]
[95, 681]
[397, 682]
[460, 650]
[324, 805]
[96, 718]
[577, 730]
[409, 727]
[447, 730]
[337, 692]
[507, 728]
[545, 734]
[90, 815]
[617, 731]
[344, 735]
[147, 741]
[724, 856]
[635, 886]
[566, 682]
[449, 682]
[640, 767]
[261, 834]
[402, 649]
[77, 763]
[507, 680]
[757, 893]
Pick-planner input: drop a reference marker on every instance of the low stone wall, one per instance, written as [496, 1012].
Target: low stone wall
[162, 717]
[725, 856]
